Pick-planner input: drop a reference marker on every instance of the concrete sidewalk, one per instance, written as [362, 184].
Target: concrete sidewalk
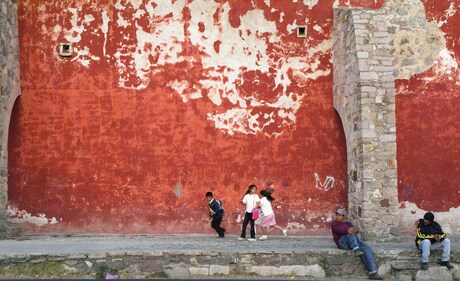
[194, 243]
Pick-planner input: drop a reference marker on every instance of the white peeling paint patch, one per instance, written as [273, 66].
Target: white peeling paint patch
[291, 27]
[56, 31]
[236, 120]
[238, 219]
[411, 213]
[310, 3]
[165, 41]
[446, 65]
[84, 57]
[105, 29]
[318, 28]
[121, 21]
[22, 216]
[135, 3]
[281, 16]
[73, 35]
[449, 13]
[295, 225]
[180, 88]
[251, 121]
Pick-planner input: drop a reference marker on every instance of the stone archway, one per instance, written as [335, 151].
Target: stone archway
[364, 97]
[10, 89]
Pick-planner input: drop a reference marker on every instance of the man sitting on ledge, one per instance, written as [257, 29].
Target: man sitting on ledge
[345, 237]
[431, 236]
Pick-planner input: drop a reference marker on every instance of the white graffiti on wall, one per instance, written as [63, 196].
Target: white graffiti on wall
[326, 185]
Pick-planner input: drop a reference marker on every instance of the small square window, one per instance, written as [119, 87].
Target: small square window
[302, 31]
[65, 49]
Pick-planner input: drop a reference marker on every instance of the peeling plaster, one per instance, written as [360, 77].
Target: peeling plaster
[84, 57]
[310, 3]
[445, 65]
[448, 14]
[245, 50]
[409, 213]
[22, 216]
[105, 29]
[74, 34]
[417, 41]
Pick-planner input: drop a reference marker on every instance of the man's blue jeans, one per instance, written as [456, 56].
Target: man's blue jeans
[426, 246]
[348, 242]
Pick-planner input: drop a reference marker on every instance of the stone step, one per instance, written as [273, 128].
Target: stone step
[202, 257]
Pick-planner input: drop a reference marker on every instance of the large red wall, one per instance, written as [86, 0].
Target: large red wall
[428, 123]
[163, 102]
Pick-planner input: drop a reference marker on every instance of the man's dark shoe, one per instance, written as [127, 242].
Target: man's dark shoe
[447, 264]
[375, 276]
[424, 266]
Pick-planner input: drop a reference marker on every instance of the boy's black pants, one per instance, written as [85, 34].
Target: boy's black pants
[215, 223]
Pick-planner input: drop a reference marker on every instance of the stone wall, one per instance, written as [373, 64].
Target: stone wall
[9, 90]
[400, 264]
[364, 96]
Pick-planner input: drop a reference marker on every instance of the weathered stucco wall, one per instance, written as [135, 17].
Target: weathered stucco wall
[427, 53]
[162, 101]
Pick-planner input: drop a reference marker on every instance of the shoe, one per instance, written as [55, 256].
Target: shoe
[375, 276]
[358, 252]
[424, 266]
[285, 232]
[241, 238]
[447, 264]
[263, 237]
[252, 239]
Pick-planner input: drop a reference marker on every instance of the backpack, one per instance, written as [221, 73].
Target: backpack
[220, 205]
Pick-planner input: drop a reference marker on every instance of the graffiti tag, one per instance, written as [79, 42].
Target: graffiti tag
[326, 185]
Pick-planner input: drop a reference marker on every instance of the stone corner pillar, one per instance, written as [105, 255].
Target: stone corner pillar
[10, 89]
[364, 97]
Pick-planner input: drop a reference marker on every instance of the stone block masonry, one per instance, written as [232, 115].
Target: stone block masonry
[205, 256]
[10, 89]
[364, 97]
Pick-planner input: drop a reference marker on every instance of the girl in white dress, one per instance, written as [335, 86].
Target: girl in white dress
[268, 218]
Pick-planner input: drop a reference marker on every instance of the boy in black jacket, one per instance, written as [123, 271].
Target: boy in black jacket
[431, 236]
[216, 211]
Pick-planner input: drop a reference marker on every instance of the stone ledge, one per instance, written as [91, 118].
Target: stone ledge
[316, 263]
[203, 255]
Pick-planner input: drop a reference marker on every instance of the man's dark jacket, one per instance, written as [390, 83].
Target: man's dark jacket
[428, 232]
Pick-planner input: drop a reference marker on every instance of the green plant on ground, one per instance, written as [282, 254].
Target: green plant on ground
[324, 262]
[101, 270]
[46, 269]
[240, 271]
[161, 274]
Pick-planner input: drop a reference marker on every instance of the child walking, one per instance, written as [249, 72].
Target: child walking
[268, 218]
[251, 200]
[216, 211]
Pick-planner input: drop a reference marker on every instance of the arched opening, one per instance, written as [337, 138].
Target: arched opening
[15, 176]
